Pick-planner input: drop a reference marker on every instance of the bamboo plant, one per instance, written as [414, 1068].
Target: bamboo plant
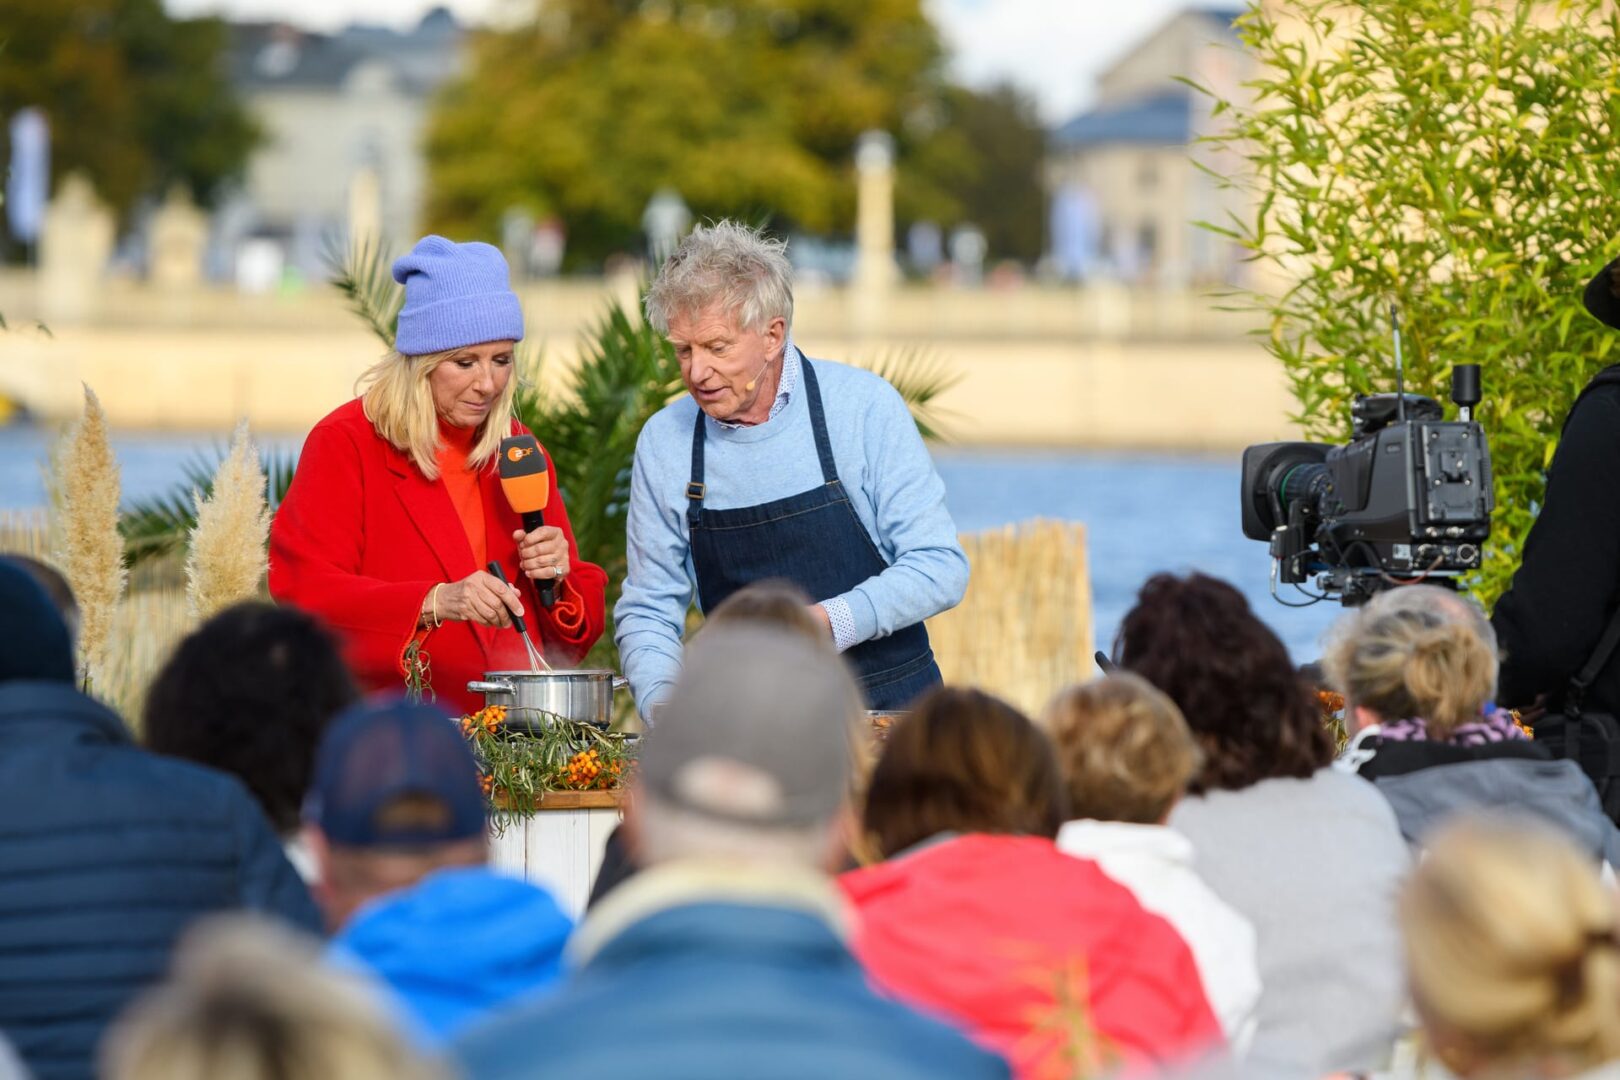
[1453, 158]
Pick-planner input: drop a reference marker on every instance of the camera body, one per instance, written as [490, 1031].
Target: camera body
[1407, 499]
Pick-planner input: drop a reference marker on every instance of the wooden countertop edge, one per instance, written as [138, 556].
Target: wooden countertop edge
[580, 800]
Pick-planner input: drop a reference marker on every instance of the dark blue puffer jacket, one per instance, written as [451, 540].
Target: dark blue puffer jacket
[107, 854]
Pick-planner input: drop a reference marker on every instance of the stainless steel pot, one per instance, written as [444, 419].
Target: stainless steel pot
[585, 696]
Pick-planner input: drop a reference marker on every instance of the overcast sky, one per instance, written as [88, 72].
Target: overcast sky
[1052, 48]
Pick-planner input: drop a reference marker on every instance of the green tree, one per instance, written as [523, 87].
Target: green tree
[746, 107]
[1455, 158]
[135, 99]
[980, 162]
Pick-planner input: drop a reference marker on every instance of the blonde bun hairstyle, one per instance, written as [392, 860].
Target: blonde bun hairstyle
[1513, 950]
[1414, 652]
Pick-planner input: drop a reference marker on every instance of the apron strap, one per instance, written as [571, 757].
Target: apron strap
[818, 422]
[694, 487]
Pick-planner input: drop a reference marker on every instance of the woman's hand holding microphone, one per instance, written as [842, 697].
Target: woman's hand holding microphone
[543, 554]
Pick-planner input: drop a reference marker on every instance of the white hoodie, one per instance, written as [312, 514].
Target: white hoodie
[1155, 862]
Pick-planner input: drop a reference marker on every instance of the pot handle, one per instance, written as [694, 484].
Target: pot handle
[620, 682]
[494, 687]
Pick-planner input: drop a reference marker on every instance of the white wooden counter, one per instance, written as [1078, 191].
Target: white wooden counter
[560, 845]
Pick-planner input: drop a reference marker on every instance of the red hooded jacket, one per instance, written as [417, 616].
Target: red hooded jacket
[362, 536]
[983, 930]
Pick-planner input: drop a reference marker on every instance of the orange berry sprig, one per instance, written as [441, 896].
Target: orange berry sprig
[489, 718]
[583, 769]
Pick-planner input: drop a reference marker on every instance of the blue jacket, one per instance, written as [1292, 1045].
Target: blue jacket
[457, 945]
[107, 854]
[714, 989]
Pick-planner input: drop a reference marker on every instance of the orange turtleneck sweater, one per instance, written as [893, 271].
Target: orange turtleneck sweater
[462, 483]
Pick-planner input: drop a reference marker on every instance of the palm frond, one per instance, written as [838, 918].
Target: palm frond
[363, 273]
[627, 372]
[920, 377]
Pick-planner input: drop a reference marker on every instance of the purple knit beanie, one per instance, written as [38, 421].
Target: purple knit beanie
[455, 295]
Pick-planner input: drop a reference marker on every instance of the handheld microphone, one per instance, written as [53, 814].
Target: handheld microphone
[527, 486]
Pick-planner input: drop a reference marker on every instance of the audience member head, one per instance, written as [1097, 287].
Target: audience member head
[750, 760]
[395, 795]
[1513, 952]
[779, 603]
[1414, 652]
[962, 762]
[1195, 638]
[773, 602]
[249, 1000]
[35, 644]
[55, 585]
[249, 692]
[1124, 748]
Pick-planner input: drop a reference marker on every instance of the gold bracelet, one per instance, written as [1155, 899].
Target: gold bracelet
[433, 601]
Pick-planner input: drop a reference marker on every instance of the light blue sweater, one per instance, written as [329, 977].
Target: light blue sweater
[883, 464]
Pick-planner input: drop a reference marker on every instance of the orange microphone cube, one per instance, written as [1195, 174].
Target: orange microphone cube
[523, 474]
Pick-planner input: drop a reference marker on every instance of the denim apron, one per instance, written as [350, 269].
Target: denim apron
[814, 540]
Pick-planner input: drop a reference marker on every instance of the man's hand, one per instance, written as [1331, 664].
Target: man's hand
[821, 616]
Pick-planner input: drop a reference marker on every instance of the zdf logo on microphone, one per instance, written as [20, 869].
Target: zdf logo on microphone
[518, 453]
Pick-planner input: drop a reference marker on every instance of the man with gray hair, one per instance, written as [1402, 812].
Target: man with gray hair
[726, 954]
[779, 467]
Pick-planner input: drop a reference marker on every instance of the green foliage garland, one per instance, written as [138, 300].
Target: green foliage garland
[524, 754]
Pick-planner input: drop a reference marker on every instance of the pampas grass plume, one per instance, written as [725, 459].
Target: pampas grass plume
[90, 551]
[228, 557]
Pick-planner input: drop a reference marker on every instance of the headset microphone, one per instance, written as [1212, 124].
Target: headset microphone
[527, 486]
[751, 383]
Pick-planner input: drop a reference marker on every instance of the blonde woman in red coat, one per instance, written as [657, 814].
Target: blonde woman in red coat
[396, 507]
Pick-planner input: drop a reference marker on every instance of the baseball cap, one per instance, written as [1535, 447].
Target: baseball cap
[376, 753]
[756, 730]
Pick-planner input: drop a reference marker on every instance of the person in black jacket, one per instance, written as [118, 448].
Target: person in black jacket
[1568, 585]
[107, 852]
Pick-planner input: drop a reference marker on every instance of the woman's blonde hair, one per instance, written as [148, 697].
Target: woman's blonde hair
[1125, 749]
[1512, 948]
[249, 1000]
[399, 403]
[1419, 651]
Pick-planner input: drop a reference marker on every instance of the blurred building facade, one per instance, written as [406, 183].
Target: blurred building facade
[344, 117]
[1123, 176]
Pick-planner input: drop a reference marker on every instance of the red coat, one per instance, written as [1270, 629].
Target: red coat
[362, 536]
[983, 929]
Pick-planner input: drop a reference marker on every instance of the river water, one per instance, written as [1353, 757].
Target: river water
[1143, 512]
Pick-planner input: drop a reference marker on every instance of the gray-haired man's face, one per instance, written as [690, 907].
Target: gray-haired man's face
[731, 372]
